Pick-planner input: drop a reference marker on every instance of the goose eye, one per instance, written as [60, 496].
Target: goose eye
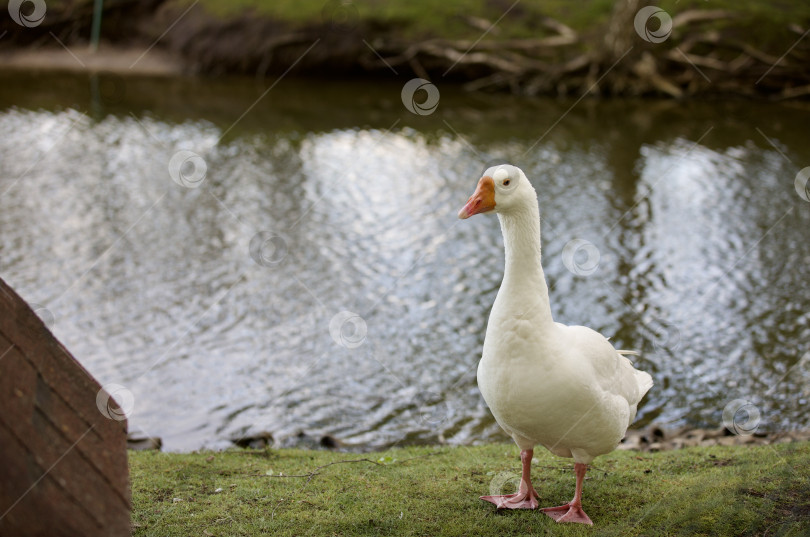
[506, 182]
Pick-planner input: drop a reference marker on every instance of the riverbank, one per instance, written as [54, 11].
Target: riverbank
[650, 439]
[121, 61]
[718, 490]
[590, 48]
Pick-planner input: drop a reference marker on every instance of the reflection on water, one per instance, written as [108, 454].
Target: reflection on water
[317, 278]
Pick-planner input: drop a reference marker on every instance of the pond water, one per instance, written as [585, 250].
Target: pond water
[312, 274]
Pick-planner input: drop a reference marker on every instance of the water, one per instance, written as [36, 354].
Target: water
[221, 307]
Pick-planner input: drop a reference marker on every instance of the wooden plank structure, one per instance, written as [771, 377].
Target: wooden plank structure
[63, 463]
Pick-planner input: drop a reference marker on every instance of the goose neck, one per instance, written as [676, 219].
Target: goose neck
[521, 238]
[524, 281]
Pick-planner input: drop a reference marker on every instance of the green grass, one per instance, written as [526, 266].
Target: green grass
[763, 25]
[434, 491]
[757, 23]
[413, 18]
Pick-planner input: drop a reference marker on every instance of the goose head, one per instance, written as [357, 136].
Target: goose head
[502, 189]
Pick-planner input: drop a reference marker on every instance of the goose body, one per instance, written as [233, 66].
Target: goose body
[563, 387]
[574, 409]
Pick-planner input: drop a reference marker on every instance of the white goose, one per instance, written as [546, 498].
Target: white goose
[563, 387]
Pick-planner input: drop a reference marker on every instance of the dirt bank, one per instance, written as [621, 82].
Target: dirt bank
[699, 51]
[650, 439]
[110, 58]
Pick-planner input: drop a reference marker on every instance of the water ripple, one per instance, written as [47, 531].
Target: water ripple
[704, 262]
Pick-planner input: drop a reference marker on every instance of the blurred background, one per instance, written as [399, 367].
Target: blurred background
[244, 213]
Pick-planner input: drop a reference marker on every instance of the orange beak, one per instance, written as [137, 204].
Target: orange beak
[482, 200]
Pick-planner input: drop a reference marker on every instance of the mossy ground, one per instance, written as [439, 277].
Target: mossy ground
[764, 23]
[434, 491]
[427, 17]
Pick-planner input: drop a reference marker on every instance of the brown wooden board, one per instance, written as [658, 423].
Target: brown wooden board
[63, 464]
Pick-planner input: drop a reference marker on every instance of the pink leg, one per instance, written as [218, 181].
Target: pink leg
[526, 497]
[572, 511]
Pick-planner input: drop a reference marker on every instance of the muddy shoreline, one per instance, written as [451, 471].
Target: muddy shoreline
[705, 53]
[650, 439]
